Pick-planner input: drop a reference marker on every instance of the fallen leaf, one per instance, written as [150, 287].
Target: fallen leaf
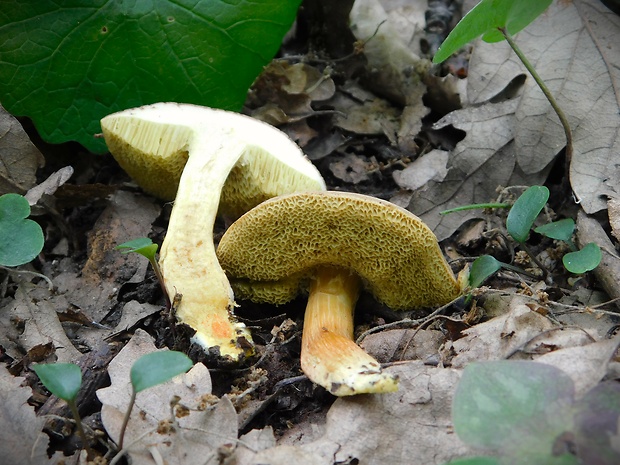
[22, 441]
[575, 47]
[36, 308]
[412, 426]
[50, 185]
[19, 158]
[153, 433]
[586, 364]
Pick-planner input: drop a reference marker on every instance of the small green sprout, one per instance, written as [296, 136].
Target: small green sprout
[64, 380]
[150, 370]
[21, 239]
[145, 247]
[519, 223]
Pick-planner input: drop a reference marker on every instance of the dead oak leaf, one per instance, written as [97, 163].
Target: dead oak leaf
[575, 47]
[191, 438]
[22, 441]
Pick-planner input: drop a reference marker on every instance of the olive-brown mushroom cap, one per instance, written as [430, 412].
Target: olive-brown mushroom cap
[269, 251]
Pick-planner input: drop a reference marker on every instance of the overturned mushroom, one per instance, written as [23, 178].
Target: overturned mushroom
[220, 161]
[338, 242]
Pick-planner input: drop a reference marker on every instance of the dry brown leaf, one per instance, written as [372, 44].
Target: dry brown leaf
[50, 185]
[575, 47]
[412, 426]
[19, 158]
[613, 210]
[35, 308]
[586, 364]
[195, 438]
[22, 441]
[501, 336]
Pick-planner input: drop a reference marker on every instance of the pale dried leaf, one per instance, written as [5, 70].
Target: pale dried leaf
[429, 167]
[501, 336]
[575, 47]
[36, 307]
[50, 185]
[19, 158]
[613, 210]
[197, 436]
[412, 426]
[392, 63]
[22, 441]
[586, 365]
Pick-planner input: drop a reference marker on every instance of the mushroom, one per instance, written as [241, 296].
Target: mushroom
[220, 161]
[338, 242]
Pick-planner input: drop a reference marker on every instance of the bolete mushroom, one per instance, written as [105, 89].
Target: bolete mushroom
[220, 161]
[338, 242]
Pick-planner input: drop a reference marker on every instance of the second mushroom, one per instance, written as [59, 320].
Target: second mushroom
[333, 244]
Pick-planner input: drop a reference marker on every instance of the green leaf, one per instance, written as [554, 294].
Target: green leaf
[21, 239]
[68, 64]
[596, 424]
[482, 267]
[475, 461]
[485, 19]
[143, 245]
[64, 380]
[523, 213]
[561, 230]
[583, 260]
[158, 367]
[512, 407]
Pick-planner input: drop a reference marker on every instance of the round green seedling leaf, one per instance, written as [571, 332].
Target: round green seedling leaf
[561, 230]
[484, 20]
[21, 239]
[158, 367]
[524, 212]
[583, 260]
[483, 267]
[143, 246]
[505, 406]
[64, 380]
[66, 65]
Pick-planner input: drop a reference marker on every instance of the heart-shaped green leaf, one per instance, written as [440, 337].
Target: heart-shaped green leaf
[483, 267]
[68, 64]
[158, 367]
[523, 213]
[561, 230]
[21, 239]
[583, 260]
[484, 20]
[61, 379]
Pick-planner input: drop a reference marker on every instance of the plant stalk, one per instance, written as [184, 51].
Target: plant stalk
[80, 428]
[132, 401]
[563, 120]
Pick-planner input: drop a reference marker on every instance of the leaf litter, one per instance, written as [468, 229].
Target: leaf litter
[370, 132]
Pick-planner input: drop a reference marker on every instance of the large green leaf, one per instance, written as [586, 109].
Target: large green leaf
[67, 64]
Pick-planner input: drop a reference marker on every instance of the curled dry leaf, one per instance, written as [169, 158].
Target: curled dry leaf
[197, 434]
[19, 158]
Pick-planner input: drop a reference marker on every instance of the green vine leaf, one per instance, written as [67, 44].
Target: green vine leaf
[66, 66]
[64, 380]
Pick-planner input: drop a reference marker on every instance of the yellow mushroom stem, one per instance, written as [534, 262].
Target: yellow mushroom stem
[329, 355]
